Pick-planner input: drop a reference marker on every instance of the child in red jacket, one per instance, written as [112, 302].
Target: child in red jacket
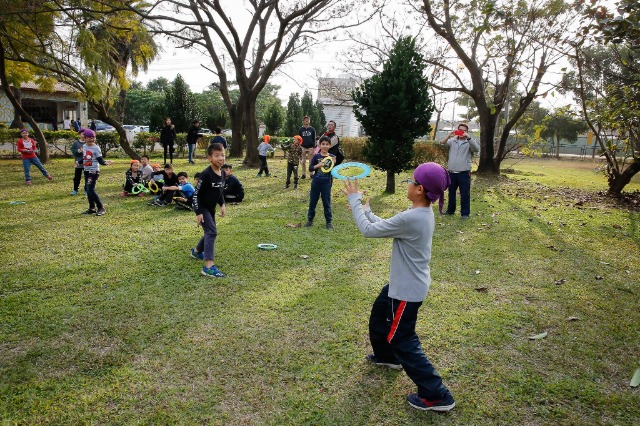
[28, 148]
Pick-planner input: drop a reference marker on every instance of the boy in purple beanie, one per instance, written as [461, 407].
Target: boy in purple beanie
[392, 324]
[91, 160]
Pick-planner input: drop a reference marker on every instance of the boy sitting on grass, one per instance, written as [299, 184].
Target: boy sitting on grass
[233, 189]
[392, 324]
[169, 180]
[183, 192]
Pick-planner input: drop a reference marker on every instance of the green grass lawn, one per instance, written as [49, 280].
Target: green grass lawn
[106, 320]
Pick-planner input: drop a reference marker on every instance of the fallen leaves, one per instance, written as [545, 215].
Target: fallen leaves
[635, 380]
[538, 336]
[293, 225]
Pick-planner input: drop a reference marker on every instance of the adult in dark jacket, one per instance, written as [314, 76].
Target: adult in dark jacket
[192, 138]
[335, 142]
[168, 139]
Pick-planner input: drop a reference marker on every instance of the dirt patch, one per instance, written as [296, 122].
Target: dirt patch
[628, 201]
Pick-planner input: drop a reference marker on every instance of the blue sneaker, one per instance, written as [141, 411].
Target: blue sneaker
[74, 192]
[212, 272]
[444, 404]
[197, 255]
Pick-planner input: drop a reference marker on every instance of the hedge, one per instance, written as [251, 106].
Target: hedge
[424, 151]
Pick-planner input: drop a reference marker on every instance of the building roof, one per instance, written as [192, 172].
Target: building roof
[57, 87]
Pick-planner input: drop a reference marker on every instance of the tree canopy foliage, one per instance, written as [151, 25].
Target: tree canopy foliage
[605, 81]
[491, 47]
[254, 45]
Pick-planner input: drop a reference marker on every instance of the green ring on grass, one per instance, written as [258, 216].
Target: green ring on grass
[266, 246]
[151, 188]
[138, 188]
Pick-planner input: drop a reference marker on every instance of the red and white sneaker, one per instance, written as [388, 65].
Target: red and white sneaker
[446, 403]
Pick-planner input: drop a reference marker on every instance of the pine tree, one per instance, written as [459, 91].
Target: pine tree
[394, 108]
[294, 115]
[274, 118]
[180, 104]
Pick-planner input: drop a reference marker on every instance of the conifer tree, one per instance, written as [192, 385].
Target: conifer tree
[394, 108]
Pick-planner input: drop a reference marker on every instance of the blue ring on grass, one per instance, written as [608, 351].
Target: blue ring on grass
[366, 170]
[266, 246]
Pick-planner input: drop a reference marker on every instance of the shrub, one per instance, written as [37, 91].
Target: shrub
[424, 151]
[146, 141]
[429, 151]
[59, 141]
[353, 148]
[107, 141]
[181, 141]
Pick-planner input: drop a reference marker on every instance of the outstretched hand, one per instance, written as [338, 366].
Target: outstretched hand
[351, 187]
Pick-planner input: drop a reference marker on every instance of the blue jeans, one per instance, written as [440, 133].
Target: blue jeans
[320, 188]
[392, 331]
[207, 242]
[27, 162]
[90, 180]
[460, 180]
[191, 149]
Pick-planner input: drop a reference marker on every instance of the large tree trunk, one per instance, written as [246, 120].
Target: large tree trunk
[17, 120]
[122, 134]
[251, 132]
[488, 164]
[236, 114]
[391, 183]
[620, 180]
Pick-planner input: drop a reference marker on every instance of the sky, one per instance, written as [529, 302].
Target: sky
[297, 76]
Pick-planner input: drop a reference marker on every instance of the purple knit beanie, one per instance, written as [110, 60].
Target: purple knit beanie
[435, 180]
[89, 133]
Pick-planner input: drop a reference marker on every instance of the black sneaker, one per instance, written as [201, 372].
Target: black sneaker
[101, 212]
[446, 403]
[329, 226]
[309, 224]
[89, 211]
[392, 365]
[286, 187]
[303, 177]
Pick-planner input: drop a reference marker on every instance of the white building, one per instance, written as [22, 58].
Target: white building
[45, 107]
[335, 96]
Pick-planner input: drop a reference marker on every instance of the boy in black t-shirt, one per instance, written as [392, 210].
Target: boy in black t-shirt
[209, 192]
